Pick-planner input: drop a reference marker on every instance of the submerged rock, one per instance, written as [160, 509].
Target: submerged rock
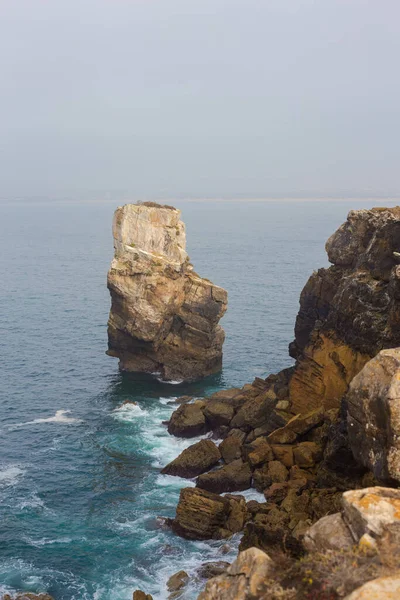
[139, 595]
[164, 317]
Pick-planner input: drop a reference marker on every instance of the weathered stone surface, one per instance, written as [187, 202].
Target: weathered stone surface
[254, 412]
[203, 515]
[284, 454]
[383, 588]
[218, 413]
[329, 533]
[307, 454]
[177, 581]
[188, 421]
[231, 446]
[373, 402]
[375, 511]
[233, 477]
[213, 569]
[194, 460]
[139, 595]
[245, 579]
[164, 317]
[272, 472]
[258, 452]
[349, 312]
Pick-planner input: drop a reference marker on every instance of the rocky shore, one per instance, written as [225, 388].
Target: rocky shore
[164, 317]
[320, 441]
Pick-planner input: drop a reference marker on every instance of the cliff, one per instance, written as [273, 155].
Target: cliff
[164, 317]
[348, 312]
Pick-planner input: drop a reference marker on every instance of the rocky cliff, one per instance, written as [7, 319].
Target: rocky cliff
[164, 317]
[348, 312]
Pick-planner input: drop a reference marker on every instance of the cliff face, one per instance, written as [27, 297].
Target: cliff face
[350, 311]
[164, 317]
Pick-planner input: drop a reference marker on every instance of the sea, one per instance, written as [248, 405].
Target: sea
[80, 483]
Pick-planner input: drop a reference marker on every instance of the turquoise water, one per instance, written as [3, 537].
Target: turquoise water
[80, 490]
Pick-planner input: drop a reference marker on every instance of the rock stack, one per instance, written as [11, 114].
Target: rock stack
[164, 317]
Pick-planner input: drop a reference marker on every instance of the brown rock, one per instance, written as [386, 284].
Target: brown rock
[193, 461]
[187, 421]
[164, 317]
[231, 446]
[272, 472]
[213, 569]
[245, 579]
[282, 436]
[258, 452]
[234, 477]
[218, 413]
[177, 581]
[375, 511]
[307, 454]
[374, 415]
[139, 595]
[254, 412]
[284, 454]
[202, 515]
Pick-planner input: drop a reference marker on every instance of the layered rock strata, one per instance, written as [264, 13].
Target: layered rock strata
[164, 317]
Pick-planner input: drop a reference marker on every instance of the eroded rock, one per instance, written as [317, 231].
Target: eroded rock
[233, 477]
[194, 460]
[164, 317]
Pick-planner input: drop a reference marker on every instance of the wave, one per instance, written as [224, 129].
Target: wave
[59, 417]
[10, 475]
[129, 412]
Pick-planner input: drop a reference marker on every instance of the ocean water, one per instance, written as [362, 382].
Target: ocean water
[80, 489]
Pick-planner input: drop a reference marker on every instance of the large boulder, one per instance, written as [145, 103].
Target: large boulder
[382, 588]
[254, 412]
[218, 413]
[329, 533]
[164, 317]
[194, 460]
[233, 477]
[231, 446]
[245, 579]
[202, 515]
[374, 511]
[374, 415]
[188, 421]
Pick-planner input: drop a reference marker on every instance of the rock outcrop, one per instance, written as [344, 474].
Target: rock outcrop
[373, 403]
[194, 460]
[348, 312]
[164, 317]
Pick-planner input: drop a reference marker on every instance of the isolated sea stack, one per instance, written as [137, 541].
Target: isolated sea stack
[164, 317]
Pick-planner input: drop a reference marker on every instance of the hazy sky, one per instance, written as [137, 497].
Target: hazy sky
[215, 98]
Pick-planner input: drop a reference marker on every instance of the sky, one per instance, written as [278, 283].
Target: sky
[159, 99]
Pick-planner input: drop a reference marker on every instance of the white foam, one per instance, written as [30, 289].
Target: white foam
[59, 417]
[10, 475]
[129, 412]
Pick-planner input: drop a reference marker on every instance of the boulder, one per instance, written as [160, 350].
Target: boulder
[375, 511]
[272, 472]
[374, 415]
[233, 477]
[329, 533]
[212, 569]
[307, 454]
[139, 595]
[193, 461]
[231, 446]
[164, 317]
[202, 515]
[284, 454]
[177, 581]
[382, 588]
[187, 421]
[258, 452]
[218, 413]
[245, 579]
[254, 412]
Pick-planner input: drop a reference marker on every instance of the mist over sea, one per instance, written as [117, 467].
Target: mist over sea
[80, 487]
